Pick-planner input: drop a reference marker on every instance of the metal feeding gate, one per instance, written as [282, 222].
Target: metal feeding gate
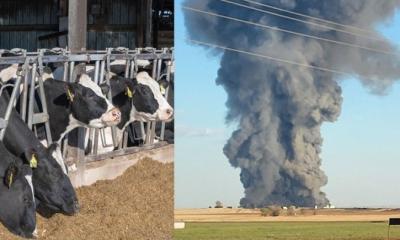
[30, 76]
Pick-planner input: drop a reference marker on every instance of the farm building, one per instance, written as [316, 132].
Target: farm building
[33, 24]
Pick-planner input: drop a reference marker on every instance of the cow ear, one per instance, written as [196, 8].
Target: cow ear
[104, 88]
[10, 174]
[163, 86]
[31, 157]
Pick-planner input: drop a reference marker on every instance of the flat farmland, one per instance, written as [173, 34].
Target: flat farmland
[306, 224]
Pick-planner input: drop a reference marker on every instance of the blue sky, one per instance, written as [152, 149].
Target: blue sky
[361, 151]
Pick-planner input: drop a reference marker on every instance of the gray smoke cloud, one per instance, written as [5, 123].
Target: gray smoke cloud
[280, 107]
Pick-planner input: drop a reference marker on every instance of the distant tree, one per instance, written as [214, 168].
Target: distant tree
[271, 211]
[218, 204]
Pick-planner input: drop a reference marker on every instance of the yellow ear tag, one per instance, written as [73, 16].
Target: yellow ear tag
[10, 174]
[162, 90]
[129, 93]
[70, 95]
[10, 179]
[33, 163]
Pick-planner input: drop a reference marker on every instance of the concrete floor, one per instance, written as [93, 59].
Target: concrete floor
[89, 173]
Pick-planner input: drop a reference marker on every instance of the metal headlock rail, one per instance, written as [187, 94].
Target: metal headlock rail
[30, 75]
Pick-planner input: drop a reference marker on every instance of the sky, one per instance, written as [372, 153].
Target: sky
[360, 152]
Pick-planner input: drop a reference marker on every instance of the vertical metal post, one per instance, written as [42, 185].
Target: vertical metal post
[127, 66]
[169, 63]
[71, 71]
[77, 24]
[77, 30]
[10, 106]
[152, 130]
[25, 90]
[92, 131]
[109, 95]
[43, 97]
[32, 96]
[149, 23]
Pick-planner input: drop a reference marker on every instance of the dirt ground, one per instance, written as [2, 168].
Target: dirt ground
[137, 205]
[301, 215]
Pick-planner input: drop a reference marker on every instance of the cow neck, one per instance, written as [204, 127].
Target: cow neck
[72, 124]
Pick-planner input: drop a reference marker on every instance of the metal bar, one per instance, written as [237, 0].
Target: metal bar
[101, 80]
[92, 132]
[71, 71]
[43, 99]
[109, 95]
[156, 73]
[143, 132]
[125, 144]
[127, 68]
[10, 106]
[25, 91]
[32, 96]
[84, 57]
[77, 24]
[121, 152]
[96, 72]
[3, 123]
[96, 141]
[132, 70]
[162, 134]
[65, 73]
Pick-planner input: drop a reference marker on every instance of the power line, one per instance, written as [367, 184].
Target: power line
[303, 21]
[269, 57]
[311, 17]
[288, 31]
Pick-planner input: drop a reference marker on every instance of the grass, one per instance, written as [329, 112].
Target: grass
[287, 231]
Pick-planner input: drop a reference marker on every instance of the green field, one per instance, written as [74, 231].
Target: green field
[287, 231]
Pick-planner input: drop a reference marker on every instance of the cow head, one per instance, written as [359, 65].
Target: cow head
[17, 211]
[88, 104]
[145, 96]
[53, 189]
[148, 100]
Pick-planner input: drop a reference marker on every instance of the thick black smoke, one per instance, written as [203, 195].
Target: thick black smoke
[280, 107]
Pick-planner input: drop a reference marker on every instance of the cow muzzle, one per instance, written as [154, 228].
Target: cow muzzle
[112, 117]
[166, 115]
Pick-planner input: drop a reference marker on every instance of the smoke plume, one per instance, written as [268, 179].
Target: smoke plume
[280, 107]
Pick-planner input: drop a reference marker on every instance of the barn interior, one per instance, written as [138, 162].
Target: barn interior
[85, 25]
[89, 24]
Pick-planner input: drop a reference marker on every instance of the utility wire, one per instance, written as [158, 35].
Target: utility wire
[288, 31]
[311, 17]
[270, 57]
[303, 21]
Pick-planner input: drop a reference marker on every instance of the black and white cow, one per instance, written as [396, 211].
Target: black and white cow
[79, 104]
[139, 99]
[17, 203]
[52, 187]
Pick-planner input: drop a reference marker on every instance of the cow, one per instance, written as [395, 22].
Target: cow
[79, 104]
[17, 211]
[139, 99]
[52, 186]
[8, 71]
